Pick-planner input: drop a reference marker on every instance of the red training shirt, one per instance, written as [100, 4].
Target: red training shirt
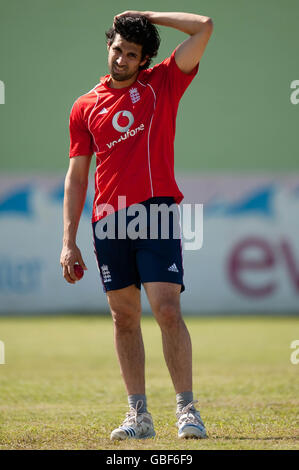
[132, 132]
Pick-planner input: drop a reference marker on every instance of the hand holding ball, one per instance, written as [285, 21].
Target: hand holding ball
[78, 271]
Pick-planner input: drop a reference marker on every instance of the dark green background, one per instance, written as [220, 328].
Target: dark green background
[236, 115]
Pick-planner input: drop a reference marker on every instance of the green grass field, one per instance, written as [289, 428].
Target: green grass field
[61, 388]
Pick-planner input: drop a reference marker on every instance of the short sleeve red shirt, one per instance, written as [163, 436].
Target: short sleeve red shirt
[131, 130]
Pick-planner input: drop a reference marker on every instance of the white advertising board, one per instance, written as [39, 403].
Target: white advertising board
[248, 262]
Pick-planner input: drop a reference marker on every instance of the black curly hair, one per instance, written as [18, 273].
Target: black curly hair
[138, 30]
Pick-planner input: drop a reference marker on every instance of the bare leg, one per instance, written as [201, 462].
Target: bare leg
[164, 299]
[125, 306]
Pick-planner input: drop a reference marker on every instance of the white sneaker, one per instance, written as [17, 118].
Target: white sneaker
[135, 426]
[190, 423]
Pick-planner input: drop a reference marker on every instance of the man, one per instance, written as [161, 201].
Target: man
[128, 120]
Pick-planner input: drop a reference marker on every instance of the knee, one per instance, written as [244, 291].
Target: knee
[126, 318]
[168, 315]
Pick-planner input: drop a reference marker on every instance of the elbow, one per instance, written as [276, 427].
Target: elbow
[209, 25]
[205, 25]
[74, 181]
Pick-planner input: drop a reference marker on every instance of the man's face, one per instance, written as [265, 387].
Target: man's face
[124, 59]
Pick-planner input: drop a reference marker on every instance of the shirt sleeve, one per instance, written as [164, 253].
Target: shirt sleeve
[80, 138]
[178, 80]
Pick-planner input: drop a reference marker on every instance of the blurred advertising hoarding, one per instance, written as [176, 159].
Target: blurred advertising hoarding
[248, 263]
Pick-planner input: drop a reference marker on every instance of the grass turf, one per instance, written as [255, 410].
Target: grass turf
[61, 388]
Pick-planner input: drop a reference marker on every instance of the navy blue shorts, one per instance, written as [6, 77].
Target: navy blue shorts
[152, 254]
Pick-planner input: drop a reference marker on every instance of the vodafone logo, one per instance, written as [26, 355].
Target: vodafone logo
[122, 121]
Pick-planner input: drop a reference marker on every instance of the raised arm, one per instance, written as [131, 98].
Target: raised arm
[76, 183]
[199, 28]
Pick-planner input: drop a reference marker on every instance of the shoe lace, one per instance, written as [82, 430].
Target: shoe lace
[131, 415]
[191, 416]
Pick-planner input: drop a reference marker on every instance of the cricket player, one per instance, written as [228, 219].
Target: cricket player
[128, 120]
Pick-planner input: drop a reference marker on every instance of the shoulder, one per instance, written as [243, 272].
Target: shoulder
[85, 102]
[88, 97]
[158, 69]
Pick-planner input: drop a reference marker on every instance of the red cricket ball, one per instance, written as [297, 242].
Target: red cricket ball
[78, 271]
